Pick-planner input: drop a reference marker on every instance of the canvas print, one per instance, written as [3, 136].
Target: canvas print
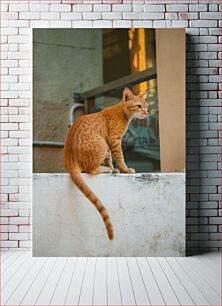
[108, 142]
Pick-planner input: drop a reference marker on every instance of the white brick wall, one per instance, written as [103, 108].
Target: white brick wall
[201, 19]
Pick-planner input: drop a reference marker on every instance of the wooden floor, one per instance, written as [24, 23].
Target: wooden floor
[27, 280]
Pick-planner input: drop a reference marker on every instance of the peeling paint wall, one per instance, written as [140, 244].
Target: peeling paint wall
[147, 212]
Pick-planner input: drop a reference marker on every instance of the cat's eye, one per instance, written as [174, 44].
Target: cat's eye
[139, 106]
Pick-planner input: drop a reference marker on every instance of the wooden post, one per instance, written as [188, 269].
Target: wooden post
[170, 52]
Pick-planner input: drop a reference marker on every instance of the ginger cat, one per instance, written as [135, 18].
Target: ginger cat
[94, 139]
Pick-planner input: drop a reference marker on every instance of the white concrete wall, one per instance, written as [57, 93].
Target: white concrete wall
[147, 212]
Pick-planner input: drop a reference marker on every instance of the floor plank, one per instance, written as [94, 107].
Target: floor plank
[110, 281]
[61, 290]
[47, 291]
[139, 289]
[113, 285]
[10, 261]
[181, 293]
[163, 283]
[153, 290]
[211, 278]
[190, 286]
[86, 294]
[100, 284]
[126, 289]
[19, 293]
[38, 283]
[210, 294]
[214, 256]
[6, 276]
[5, 255]
[17, 279]
[211, 262]
[75, 286]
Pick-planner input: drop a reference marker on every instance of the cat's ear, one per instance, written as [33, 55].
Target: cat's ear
[144, 95]
[127, 94]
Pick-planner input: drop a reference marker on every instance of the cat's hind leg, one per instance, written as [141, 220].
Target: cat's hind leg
[109, 163]
[101, 169]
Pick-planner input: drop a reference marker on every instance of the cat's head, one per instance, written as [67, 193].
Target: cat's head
[136, 105]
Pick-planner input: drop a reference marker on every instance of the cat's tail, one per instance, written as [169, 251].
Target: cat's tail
[79, 182]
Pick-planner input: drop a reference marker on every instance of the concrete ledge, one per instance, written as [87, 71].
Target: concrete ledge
[147, 212]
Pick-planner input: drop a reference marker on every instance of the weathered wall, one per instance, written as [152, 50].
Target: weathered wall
[64, 61]
[148, 221]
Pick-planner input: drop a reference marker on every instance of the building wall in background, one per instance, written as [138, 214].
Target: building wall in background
[201, 18]
[64, 61]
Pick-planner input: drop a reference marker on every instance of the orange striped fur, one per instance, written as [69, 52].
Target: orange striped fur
[94, 139]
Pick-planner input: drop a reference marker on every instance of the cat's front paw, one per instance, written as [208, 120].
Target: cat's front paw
[116, 170]
[129, 170]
